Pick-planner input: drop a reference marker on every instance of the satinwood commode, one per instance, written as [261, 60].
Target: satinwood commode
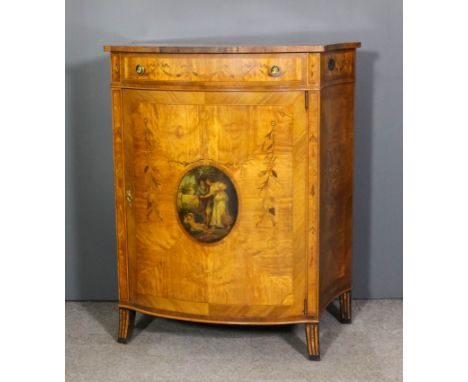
[233, 183]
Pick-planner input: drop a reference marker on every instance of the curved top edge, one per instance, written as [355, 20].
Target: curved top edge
[148, 48]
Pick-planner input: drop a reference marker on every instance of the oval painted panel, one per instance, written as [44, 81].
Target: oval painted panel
[207, 203]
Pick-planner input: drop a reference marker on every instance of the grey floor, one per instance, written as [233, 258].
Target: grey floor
[370, 349]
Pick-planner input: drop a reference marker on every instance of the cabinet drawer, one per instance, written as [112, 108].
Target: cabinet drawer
[337, 67]
[215, 69]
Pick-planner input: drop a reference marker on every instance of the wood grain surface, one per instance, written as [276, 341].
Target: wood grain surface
[336, 182]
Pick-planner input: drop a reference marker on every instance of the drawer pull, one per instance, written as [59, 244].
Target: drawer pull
[140, 69]
[331, 64]
[275, 71]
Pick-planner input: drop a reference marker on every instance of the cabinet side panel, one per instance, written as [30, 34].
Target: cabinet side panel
[119, 186]
[336, 166]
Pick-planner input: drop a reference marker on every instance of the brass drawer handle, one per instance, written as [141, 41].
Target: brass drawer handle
[140, 69]
[275, 71]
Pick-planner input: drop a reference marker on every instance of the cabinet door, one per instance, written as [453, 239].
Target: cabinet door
[215, 210]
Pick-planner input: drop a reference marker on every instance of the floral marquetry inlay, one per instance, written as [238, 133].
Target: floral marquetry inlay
[221, 69]
[115, 67]
[153, 186]
[268, 178]
[314, 69]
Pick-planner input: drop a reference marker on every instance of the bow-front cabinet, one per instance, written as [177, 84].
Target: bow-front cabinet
[233, 183]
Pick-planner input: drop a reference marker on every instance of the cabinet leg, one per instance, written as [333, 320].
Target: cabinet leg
[345, 308]
[312, 335]
[126, 321]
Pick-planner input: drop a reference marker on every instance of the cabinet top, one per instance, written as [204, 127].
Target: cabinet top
[186, 48]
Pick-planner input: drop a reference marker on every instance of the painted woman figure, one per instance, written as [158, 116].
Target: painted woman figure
[219, 215]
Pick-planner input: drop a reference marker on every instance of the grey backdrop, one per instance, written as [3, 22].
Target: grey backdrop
[90, 24]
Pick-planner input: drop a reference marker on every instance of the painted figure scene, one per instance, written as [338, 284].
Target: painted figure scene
[207, 203]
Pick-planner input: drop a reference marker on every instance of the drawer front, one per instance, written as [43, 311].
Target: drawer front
[216, 69]
[330, 68]
[337, 67]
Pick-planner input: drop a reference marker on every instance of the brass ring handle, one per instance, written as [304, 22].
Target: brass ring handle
[140, 69]
[275, 71]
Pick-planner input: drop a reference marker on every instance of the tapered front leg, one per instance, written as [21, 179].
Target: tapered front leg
[312, 335]
[126, 321]
[345, 308]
